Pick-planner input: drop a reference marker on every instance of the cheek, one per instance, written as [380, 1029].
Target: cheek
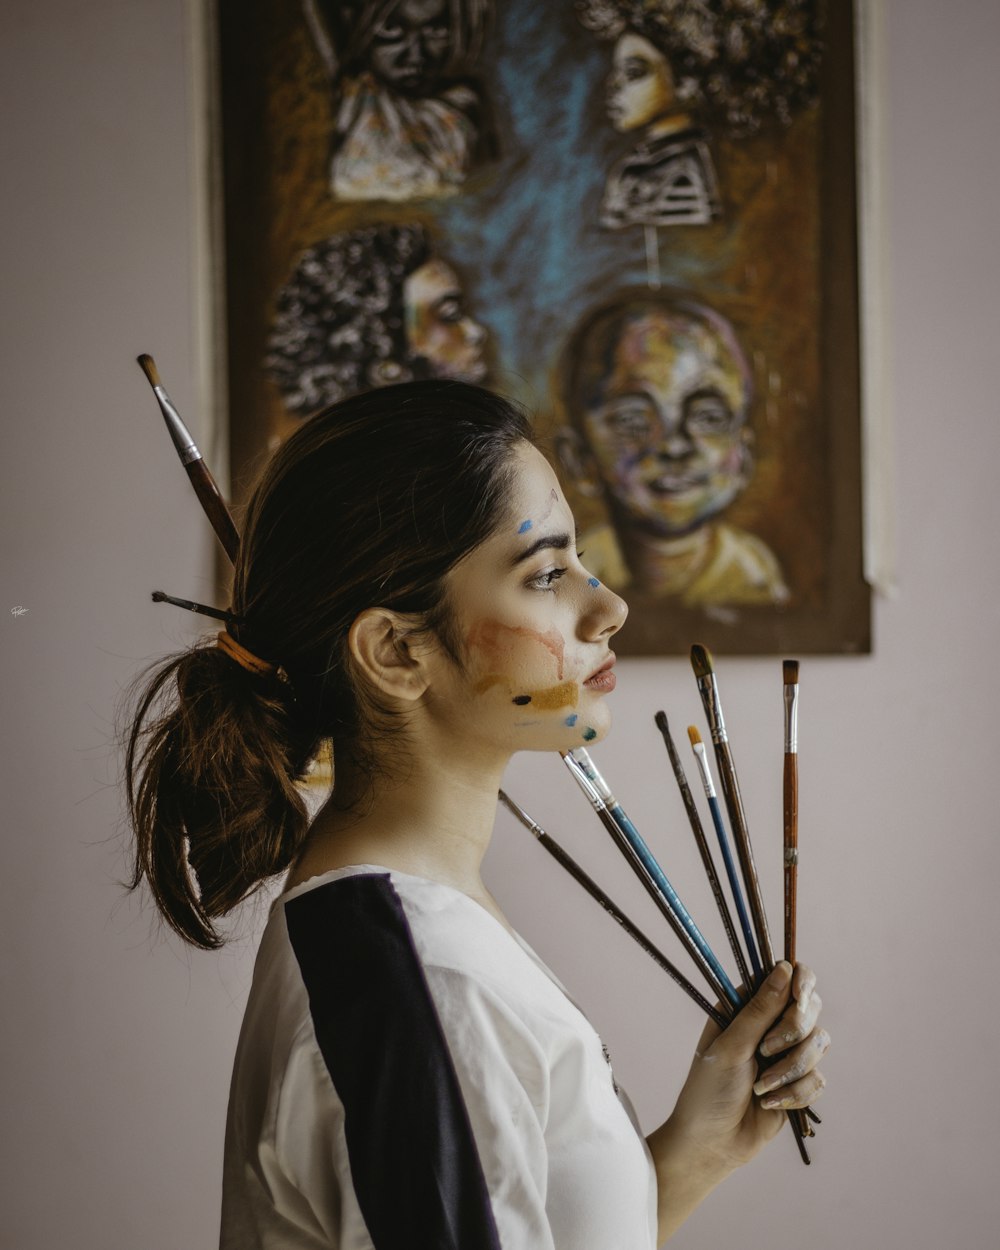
[509, 650]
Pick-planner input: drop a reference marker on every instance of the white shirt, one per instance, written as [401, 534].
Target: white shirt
[409, 1073]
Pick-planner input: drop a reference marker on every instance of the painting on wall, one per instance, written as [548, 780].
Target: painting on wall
[637, 217]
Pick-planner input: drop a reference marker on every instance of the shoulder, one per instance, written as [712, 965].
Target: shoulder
[742, 569]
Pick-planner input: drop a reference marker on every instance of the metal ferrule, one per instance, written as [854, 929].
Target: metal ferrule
[185, 444]
[713, 708]
[521, 815]
[584, 782]
[706, 776]
[581, 758]
[791, 718]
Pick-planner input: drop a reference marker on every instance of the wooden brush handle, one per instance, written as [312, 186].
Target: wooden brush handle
[215, 506]
[791, 811]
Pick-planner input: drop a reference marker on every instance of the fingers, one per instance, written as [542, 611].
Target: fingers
[793, 1026]
[793, 1080]
[803, 984]
[743, 1035]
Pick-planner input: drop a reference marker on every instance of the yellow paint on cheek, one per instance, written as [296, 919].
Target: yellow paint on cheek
[563, 695]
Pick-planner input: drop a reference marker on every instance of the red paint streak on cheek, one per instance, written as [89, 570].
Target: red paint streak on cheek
[494, 639]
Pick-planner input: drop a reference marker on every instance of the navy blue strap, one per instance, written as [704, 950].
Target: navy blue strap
[415, 1167]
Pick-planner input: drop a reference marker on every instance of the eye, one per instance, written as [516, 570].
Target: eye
[389, 33]
[708, 414]
[635, 68]
[450, 310]
[546, 580]
[630, 419]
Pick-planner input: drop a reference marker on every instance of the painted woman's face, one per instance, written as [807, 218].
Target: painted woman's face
[533, 628]
[640, 87]
[438, 329]
[666, 426]
[410, 48]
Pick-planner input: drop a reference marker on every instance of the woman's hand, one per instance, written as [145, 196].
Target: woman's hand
[728, 1110]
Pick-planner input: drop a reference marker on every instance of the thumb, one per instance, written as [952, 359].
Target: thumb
[742, 1037]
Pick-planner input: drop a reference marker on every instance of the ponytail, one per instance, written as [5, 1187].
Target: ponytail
[211, 761]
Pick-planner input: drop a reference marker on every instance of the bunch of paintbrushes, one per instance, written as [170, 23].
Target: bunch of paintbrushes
[750, 944]
[758, 959]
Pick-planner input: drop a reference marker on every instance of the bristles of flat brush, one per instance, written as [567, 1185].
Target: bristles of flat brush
[701, 660]
[790, 672]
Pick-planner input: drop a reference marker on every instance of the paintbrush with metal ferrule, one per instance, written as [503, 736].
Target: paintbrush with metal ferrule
[790, 794]
[565, 860]
[644, 865]
[194, 463]
[703, 848]
[701, 662]
[701, 758]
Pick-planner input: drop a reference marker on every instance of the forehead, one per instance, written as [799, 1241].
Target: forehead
[433, 280]
[630, 44]
[669, 351]
[418, 12]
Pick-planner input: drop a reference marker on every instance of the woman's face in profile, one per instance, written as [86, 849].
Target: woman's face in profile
[438, 329]
[640, 87]
[410, 48]
[665, 424]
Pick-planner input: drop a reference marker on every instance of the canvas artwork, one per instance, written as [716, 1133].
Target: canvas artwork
[636, 216]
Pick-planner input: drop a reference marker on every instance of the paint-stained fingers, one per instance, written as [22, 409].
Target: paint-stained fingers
[793, 1026]
[792, 1075]
[803, 984]
[802, 1093]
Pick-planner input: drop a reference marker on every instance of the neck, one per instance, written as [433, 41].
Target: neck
[669, 125]
[666, 564]
[430, 816]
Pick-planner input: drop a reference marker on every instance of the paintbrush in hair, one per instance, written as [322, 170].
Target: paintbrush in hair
[702, 842]
[701, 757]
[566, 861]
[708, 687]
[628, 840]
[194, 463]
[790, 789]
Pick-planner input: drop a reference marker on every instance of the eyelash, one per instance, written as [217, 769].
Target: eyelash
[546, 580]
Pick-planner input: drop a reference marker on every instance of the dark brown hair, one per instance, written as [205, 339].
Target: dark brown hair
[369, 504]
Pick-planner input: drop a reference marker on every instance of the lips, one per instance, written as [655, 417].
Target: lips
[603, 679]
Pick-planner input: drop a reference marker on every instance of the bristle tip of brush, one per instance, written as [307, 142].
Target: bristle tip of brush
[148, 365]
[693, 736]
[790, 672]
[701, 660]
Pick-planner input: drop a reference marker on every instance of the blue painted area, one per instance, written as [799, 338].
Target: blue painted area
[524, 527]
[589, 734]
[571, 720]
[592, 581]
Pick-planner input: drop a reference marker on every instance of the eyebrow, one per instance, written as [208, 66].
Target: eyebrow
[554, 542]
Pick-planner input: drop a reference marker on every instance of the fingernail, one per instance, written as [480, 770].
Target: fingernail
[776, 1102]
[767, 1083]
[775, 1042]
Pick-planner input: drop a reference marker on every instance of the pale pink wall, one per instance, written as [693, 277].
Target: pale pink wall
[116, 1045]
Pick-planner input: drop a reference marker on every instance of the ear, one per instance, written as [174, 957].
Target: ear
[385, 648]
[578, 463]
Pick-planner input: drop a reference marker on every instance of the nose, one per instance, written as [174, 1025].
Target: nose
[676, 442]
[604, 612]
[474, 332]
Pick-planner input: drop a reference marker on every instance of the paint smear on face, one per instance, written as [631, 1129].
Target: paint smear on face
[492, 637]
[564, 695]
[592, 581]
[571, 720]
[589, 734]
[521, 699]
[524, 527]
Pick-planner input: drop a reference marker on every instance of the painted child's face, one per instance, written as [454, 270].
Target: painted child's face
[437, 326]
[640, 87]
[411, 46]
[666, 425]
[534, 627]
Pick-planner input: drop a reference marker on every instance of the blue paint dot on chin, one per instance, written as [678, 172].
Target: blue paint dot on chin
[589, 734]
[592, 581]
[571, 720]
[524, 527]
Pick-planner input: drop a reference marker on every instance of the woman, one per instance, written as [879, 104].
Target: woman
[367, 308]
[408, 1071]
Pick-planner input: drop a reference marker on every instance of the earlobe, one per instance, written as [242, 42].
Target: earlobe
[380, 644]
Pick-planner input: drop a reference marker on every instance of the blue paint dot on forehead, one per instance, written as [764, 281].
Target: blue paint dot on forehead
[571, 720]
[524, 527]
[589, 734]
[592, 581]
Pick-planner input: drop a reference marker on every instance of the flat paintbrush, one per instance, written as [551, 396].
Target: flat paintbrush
[644, 865]
[563, 858]
[790, 788]
[702, 843]
[701, 662]
[194, 463]
[727, 855]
